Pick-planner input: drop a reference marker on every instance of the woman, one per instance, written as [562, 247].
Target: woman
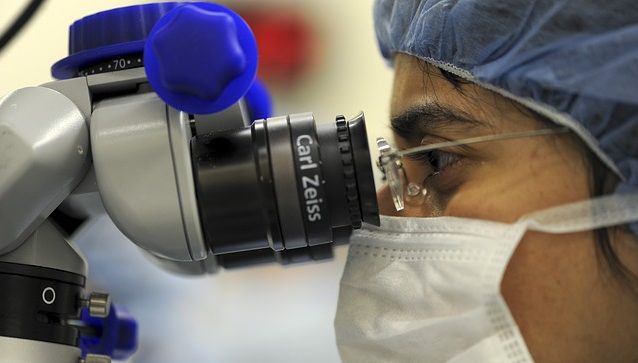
[535, 254]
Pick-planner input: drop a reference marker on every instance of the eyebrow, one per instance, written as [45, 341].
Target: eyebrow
[430, 117]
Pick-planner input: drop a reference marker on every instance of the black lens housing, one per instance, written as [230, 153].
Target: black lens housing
[284, 189]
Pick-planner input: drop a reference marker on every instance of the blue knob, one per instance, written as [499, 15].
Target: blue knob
[201, 58]
[116, 335]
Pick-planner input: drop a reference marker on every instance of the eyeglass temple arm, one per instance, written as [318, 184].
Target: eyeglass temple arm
[479, 139]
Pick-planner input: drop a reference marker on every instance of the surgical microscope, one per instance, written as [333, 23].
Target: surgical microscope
[155, 118]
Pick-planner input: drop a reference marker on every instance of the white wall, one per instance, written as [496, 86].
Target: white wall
[266, 314]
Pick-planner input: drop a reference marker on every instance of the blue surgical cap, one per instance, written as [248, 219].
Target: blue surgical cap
[574, 62]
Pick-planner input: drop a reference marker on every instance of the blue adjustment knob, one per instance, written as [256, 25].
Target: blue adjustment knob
[114, 336]
[200, 58]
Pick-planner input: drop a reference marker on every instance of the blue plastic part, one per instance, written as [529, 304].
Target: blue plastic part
[258, 101]
[117, 334]
[109, 34]
[201, 58]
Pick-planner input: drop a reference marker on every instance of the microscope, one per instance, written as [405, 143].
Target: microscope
[156, 119]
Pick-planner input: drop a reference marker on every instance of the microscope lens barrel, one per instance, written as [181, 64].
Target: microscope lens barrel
[284, 189]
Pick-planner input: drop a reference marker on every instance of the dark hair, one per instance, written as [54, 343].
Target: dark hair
[599, 185]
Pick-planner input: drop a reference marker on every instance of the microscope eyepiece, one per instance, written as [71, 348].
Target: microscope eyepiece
[285, 188]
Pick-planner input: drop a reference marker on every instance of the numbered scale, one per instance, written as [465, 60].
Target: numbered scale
[118, 64]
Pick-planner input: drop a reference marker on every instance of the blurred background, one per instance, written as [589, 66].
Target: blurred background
[318, 56]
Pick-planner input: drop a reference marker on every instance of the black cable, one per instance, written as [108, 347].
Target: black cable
[20, 21]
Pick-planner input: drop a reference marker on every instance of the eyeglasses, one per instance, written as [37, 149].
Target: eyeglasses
[392, 168]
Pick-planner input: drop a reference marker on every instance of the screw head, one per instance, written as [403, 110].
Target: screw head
[95, 358]
[99, 305]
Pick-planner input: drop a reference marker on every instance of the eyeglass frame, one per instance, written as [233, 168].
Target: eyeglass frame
[389, 161]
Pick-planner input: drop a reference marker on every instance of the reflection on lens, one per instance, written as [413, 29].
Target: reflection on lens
[415, 193]
[414, 190]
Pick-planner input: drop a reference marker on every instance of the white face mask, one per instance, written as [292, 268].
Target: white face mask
[428, 289]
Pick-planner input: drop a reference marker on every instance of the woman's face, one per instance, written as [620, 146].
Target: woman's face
[567, 305]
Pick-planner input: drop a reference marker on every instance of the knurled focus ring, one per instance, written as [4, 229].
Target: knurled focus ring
[350, 180]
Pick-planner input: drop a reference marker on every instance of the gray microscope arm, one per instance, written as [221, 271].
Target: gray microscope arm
[44, 154]
[104, 142]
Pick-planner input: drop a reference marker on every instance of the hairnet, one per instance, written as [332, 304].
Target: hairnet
[575, 62]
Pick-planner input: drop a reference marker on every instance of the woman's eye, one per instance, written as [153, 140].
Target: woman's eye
[439, 160]
[436, 161]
